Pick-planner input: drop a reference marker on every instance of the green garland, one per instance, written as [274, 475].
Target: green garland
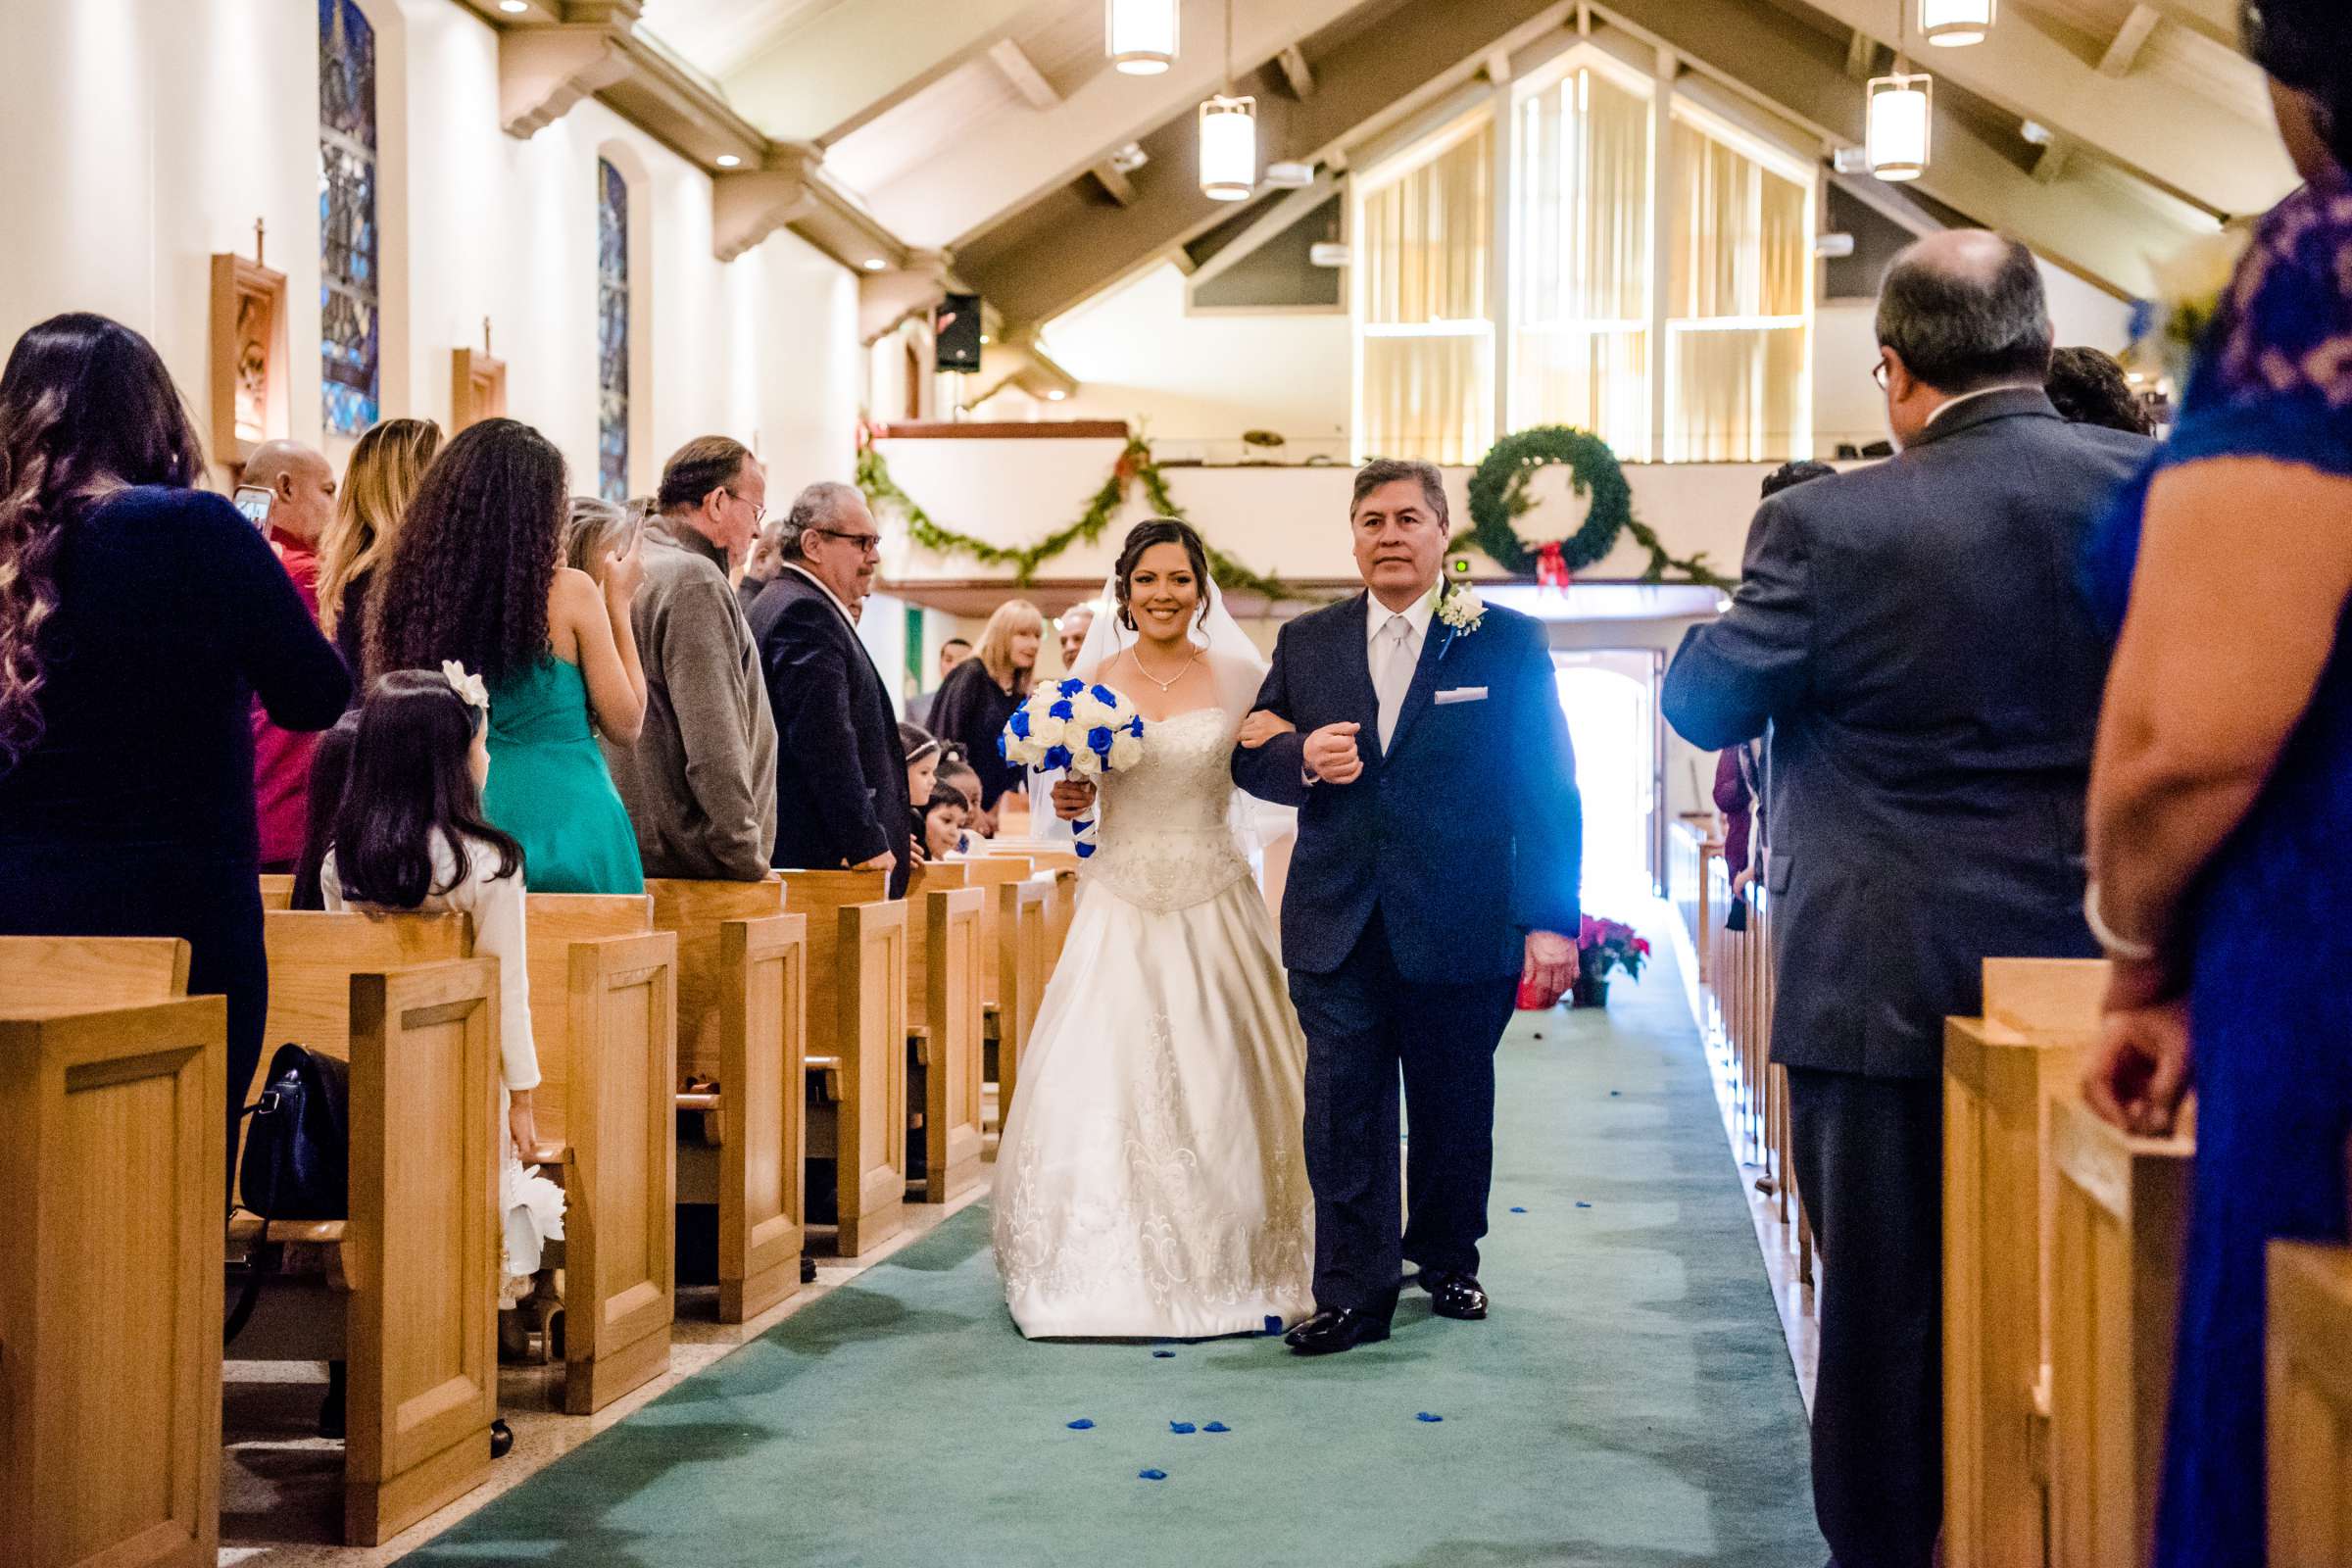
[1133, 463]
[1499, 497]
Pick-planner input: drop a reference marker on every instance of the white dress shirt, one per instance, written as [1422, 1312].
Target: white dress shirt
[1416, 617]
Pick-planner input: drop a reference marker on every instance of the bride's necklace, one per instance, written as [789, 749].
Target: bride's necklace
[1164, 685]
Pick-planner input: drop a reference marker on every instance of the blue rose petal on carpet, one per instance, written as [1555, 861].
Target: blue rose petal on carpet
[1163, 1355]
[1581, 1203]
[1518, 1210]
[1082, 1424]
[1426, 1416]
[1216, 1426]
[1182, 1428]
[1151, 1475]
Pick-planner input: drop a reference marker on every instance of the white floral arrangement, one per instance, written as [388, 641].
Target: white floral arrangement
[1085, 731]
[1460, 607]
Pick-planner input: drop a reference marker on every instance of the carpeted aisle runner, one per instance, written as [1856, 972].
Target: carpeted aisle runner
[1630, 1403]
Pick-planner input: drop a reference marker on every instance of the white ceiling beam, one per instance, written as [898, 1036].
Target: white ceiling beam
[2215, 19]
[1114, 182]
[1498, 67]
[2187, 146]
[2051, 166]
[1008, 159]
[845, 64]
[1024, 77]
[2130, 39]
[1294, 71]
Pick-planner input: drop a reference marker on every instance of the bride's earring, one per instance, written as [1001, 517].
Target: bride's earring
[1126, 615]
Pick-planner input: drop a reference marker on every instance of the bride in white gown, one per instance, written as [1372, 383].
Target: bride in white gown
[1150, 1182]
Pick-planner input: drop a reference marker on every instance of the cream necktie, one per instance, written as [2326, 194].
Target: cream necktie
[1392, 675]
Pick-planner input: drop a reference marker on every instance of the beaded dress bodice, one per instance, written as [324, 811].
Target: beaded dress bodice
[1166, 840]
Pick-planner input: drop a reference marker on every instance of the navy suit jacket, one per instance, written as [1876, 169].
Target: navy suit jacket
[1465, 835]
[841, 774]
[1913, 634]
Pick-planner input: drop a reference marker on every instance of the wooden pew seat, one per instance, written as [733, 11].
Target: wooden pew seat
[2309, 1392]
[856, 1068]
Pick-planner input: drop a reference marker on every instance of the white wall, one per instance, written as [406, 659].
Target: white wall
[139, 137]
[1193, 379]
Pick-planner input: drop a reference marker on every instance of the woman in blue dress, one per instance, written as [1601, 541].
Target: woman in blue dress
[2221, 783]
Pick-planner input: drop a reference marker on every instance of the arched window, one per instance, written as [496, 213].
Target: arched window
[611, 332]
[348, 327]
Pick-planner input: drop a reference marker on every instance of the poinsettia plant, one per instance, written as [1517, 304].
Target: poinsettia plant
[1605, 944]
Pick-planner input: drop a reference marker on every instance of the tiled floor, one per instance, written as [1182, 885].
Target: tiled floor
[281, 1496]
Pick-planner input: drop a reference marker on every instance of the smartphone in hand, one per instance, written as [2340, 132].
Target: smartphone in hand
[253, 500]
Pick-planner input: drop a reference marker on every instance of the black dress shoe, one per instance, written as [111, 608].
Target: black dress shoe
[1336, 1329]
[502, 1438]
[1455, 1295]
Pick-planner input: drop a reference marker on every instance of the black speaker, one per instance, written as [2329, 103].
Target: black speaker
[955, 329]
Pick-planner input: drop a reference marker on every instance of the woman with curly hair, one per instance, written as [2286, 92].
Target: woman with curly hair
[139, 617]
[378, 482]
[478, 576]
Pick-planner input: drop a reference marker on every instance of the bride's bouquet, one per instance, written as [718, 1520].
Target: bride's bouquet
[1083, 730]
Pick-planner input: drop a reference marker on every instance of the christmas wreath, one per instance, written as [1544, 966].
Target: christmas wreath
[1512, 533]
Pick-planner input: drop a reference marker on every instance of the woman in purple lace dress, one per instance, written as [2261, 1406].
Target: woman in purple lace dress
[2222, 779]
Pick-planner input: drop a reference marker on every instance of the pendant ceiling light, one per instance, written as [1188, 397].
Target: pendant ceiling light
[1899, 123]
[1899, 111]
[1228, 136]
[1139, 35]
[1957, 24]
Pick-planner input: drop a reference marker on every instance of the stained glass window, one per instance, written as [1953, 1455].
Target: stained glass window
[348, 324]
[611, 332]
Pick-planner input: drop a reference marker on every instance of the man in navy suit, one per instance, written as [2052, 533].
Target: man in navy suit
[1440, 836]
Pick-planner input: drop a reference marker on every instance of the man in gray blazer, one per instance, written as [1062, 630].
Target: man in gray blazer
[1913, 634]
[700, 782]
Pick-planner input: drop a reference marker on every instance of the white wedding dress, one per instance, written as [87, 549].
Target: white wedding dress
[1151, 1181]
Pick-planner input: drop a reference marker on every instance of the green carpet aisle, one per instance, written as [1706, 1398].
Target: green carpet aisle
[1629, 1404]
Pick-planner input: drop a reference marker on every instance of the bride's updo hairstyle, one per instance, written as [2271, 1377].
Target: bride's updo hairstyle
[1159, 531]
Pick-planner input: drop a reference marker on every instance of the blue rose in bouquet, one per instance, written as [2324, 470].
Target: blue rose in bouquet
[1073, 727]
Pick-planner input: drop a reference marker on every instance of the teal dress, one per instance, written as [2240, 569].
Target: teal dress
[550, 789]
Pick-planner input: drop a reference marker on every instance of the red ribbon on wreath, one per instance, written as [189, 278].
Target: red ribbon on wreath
[1552, 572]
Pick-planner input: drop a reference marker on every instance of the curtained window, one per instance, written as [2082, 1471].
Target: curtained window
[1737, 377]
[1425, 338]
[349, 348]
[1659, 277]
[612, 333]
[1581, 257]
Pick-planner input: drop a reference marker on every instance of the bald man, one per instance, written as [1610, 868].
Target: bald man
[1912, 633]
[302, 502]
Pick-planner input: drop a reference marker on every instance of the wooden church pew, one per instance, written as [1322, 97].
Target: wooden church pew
[856, 1061]
[277, 891]
[1021, 974]
[112, 1096]
[942, 1029]
[742, 1018]
[1999, 1203]
[2309, 1392]
[404, 1289]
[2120, 1231]
[604, 1014]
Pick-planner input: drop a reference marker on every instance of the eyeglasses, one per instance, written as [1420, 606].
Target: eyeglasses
[867, 543]
[758, 510]
[1877, 374]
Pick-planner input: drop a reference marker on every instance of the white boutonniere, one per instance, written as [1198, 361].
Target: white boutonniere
[2190, 289]
[466, 684]
[1460, 607]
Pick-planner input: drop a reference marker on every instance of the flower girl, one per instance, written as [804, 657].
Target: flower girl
[410, 835]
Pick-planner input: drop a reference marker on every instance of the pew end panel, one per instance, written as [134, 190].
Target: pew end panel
[313, 958]
[1999, 1205]
[621, 1193]
[553, 922]
[763, 1045]
[947, 984]
[277, 891]
[110, 1165]
[870, 1036]
[2309, 1392]
[2120, 1230]
[1021, 971]
[695, 910]
[421, 1247]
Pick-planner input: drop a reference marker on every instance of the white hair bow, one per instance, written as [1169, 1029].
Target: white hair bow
[466, 684]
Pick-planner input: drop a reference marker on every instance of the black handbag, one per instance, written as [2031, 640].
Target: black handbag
[297, 1161]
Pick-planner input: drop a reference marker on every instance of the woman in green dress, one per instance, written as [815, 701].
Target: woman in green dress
[477, 577]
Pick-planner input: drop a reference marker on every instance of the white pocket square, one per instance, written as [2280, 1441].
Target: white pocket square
[1462, 693]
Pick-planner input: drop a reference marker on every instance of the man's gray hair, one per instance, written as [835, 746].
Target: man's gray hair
[1966, 310]
[1388, 470]
[821, 506]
